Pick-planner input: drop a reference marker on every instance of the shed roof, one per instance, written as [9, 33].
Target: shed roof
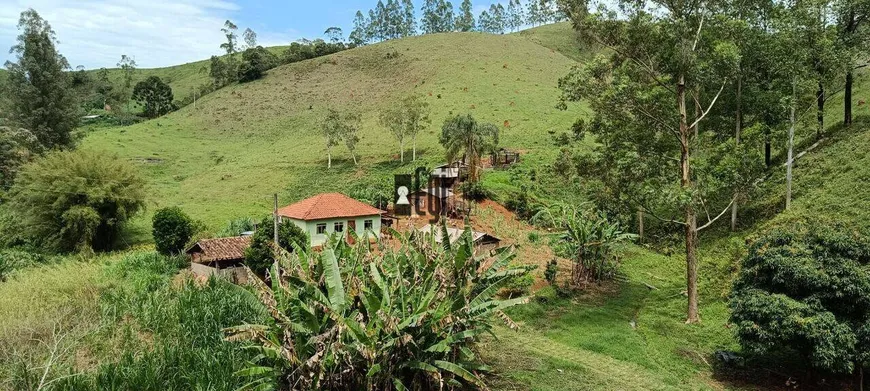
[220, 249]
[328, 206]
[440, 192]
[454, 234]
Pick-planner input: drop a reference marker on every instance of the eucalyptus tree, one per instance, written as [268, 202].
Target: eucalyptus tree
[465, 20]
[250, 38]
[852, 16]
[437, 16]
[37, 87]
[409, 25]
[640, 93]
[128, 68]
[331, 128]
[514, 16]
[533, 13]
[406, 120]
[359, 35]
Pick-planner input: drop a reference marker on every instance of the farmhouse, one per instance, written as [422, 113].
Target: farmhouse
[329, 213]
[482, 241]
[221, 256]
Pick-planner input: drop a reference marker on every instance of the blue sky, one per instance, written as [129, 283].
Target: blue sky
[95, 33]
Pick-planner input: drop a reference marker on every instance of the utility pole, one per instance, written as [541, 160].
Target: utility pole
[275, 220]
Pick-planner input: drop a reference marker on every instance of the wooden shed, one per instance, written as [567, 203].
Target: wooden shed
[483, 242]
[221, 256]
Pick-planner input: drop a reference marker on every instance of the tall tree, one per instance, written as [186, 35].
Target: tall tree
[414, 116]
[465, 21]
[334, 34]
[229, 30]
[128, 68]
[331, 128]
[656, 59]
[359, 35]
[393, 119]
[250, 38]
[437, 16]
[155, 96]
[350, 133]
[852, 15]
[514, 16]
[39, 95]
[463, 135]
[409, 20]
[533, 13]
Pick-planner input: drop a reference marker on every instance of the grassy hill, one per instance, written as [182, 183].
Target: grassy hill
[245, 142]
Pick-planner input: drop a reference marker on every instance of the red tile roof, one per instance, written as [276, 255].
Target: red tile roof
[220, 249]
[328, 206]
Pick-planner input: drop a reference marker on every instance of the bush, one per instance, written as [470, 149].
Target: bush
[474, 191]
[259, 257]
[237, 227]
[805, 287]
[74, 200]
[255, 62]
[404, 319]
[172, 229]
[550, 272]
[518, 286]
[155, 96]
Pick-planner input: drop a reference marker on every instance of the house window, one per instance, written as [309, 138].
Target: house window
[339, 227]
[368, 224]
[321, 229]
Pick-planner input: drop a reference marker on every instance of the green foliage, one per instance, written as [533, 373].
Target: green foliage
[171, 229]
[475, 191]
[550, 271]
[155, 96]
[184, 349]
[43, 105]
[378, 195]
[590, 241]
[255, 62]
[340, 127]
[463, 135]
[260, 256]
[238, 226]
[805, 286]
[74, 200]
[465, 20]
[15, 149]
[401, 319]
[301, 51]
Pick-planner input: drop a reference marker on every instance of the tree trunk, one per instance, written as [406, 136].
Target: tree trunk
[402, 147]
[640, 224]
[691, 229]
[353, 155]
[790, 162]
[847, 100]
[328, 158]
[415, 148]
[820, 111]
[738, 127]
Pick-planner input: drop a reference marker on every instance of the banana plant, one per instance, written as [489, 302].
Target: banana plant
[350, 317]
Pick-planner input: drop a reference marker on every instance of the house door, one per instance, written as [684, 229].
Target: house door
[351, 225]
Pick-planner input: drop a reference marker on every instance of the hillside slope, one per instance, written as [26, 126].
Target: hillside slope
[244, 142]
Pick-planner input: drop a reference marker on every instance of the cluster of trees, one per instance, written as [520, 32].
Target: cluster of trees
[51, 195]
[242, 61]
[395, 19]
[688, 101]
[340, 128]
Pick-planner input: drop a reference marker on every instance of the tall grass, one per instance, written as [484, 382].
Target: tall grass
[167, 332]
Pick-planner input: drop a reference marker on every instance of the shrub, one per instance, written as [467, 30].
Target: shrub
[474, 191]
[255, 62]
[589, 240]
[806, 287]
[259, 257]
[348, 319]
[534, 237]
[155, 96]
[518, 286]
[172, 229]
[550, 271]
[237, 227]
[74, 200]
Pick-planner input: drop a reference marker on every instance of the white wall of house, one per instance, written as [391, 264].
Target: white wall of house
[318, 239]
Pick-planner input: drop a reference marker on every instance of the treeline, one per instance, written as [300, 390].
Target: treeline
[396, 19]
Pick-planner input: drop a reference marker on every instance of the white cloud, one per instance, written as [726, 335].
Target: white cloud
[95, 33]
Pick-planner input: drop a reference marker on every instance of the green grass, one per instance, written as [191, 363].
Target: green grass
[245, 142]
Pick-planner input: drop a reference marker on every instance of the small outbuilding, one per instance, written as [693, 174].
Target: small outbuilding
[434, 200]
[220, 256]
[483, 242]
[448, 175]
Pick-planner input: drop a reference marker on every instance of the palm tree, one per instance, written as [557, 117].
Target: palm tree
[462, 134]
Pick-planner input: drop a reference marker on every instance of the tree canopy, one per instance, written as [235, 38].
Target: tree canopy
[155, 96]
